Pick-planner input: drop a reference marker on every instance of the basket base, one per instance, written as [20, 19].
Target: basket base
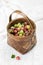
[23, 51]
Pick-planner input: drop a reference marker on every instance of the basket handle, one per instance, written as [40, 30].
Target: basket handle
[18, 12]
[21, 13]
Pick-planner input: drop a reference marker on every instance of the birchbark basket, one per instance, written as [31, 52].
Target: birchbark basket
[21, 44]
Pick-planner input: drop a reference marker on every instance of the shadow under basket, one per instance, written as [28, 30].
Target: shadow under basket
[21, 44]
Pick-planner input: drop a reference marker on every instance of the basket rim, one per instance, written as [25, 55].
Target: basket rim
[22, 36]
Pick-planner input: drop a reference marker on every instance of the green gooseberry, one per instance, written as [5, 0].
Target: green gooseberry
[19, 25]
[21, 31]
[20, 35]
[15, 25]
[10, 30]
[12, 27]
[28, 27]
[22, 25]
[13, 56]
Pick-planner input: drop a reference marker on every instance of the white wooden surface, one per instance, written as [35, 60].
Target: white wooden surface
[33, 9]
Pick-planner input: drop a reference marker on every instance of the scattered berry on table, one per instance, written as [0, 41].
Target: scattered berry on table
[17, 58]
[13, 56]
